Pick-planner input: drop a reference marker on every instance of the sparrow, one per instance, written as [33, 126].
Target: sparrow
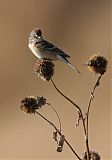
[42, 49]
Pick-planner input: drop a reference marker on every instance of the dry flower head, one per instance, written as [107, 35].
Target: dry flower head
[93, 156]
[30, 104]
[97, 64]
[44, 69]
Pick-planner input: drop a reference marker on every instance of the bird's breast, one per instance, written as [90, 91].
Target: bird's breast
[35, 50]
[41, 53]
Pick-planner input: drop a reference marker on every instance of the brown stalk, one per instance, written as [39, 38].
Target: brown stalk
[56, 115]
[89, 104]
[83, 120]
[59, 133]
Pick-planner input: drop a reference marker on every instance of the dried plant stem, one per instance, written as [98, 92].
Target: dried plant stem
[82, 118]
[56, 114]
[58, 133]
[89, 104]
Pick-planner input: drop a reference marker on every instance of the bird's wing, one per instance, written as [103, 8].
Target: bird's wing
[50, 47]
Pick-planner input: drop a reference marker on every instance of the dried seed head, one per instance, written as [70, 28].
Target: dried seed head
[93, 156]
[97, 64]
[30, 104]
[45, 69]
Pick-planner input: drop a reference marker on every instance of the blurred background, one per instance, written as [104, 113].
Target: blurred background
[80, 28]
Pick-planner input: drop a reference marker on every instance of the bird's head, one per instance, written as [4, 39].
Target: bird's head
[35, 36]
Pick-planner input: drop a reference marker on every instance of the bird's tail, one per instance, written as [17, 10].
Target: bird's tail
[65, 60]
[73, 67]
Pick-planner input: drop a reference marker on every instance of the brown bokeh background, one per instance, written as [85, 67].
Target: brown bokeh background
[80, 28]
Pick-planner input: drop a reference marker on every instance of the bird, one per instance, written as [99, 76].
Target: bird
[43, 49]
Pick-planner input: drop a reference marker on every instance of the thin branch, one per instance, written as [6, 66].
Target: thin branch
[58, 133]
[73, 103]
[65, 96]
[90, 100]
[81, 114]
[56, 114]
